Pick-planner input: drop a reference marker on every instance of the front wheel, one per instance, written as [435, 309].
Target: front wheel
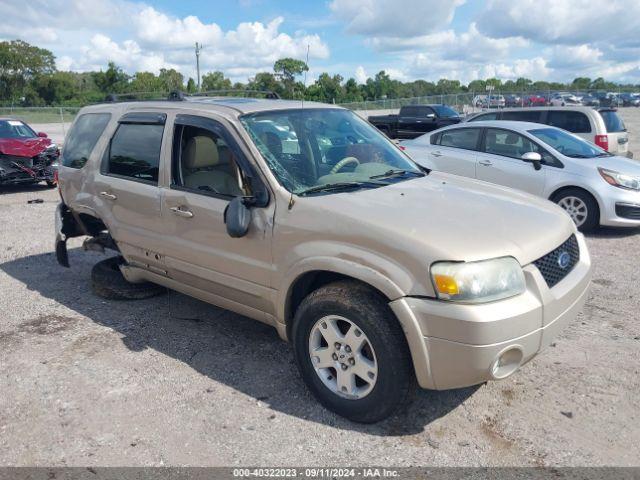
[581, 207]
[352, 353]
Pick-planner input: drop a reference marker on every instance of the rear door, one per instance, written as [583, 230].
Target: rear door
[455, 152]
[209, 167]
[572, 121]
[126, 188]
[499, 161]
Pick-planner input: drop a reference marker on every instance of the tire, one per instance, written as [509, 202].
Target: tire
[579, 199]
[360, 311]
[108, 282]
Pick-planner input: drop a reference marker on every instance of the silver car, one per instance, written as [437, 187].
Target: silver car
[592, 185]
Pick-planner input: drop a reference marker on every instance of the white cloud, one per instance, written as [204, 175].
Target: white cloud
[563, 21]
[394, 18]
[578, 56]
[361, 74]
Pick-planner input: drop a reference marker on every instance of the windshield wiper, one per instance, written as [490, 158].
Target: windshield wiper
[397, 173]
[340, 186]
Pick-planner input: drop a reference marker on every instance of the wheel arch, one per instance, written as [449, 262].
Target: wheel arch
[319, 273]
[564, 188]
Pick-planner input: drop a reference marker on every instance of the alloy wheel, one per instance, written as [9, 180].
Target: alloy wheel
[576, 209]
[343, 357]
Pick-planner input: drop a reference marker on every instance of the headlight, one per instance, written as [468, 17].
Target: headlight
[620, 179]
[478, 282]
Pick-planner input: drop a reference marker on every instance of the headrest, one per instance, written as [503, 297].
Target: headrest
[272, 142]
[511, 139]
[201, 151]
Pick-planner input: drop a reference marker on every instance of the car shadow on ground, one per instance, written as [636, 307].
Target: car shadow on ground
[24, 188]
[228, 348]
[614, 232]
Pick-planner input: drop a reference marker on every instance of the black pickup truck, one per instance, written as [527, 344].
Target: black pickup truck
[415, 120]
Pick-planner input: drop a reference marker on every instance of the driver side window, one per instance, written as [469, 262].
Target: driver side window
[204, 163]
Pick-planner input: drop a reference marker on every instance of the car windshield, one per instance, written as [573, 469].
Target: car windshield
[567, 144]
[612, 121]
[326, 150]
[15, 129]
[445, 111]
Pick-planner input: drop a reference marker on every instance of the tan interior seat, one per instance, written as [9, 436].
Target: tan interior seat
[202, 168]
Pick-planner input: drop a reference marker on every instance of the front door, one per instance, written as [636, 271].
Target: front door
[500, 162]
[208, 169]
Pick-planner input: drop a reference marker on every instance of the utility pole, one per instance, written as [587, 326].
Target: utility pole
[198, 48]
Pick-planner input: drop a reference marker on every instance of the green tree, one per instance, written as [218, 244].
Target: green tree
[171, 79]
[287, 69]
[145, 82]
[215, 81]
[20, 62]
[191, 85]
[113, 80]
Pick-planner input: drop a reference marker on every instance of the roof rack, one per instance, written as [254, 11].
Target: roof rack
[237, 92]
[179, 96]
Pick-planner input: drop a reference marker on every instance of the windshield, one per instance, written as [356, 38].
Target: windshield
[310, 149]
[612, 121]
[15, 129]
[567, 144]
[445, 111]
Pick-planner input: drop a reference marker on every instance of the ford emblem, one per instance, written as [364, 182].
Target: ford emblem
[564, 259]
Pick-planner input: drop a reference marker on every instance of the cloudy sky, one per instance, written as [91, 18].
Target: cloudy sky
[410, 39]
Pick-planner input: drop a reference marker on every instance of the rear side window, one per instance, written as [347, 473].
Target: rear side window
[612, 121]
[523, 116]
[486, 116]
[466, 138]
[83, 138]
[135, 152]
[574, 122]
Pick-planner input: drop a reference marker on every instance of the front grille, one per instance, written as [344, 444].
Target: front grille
[24, 161]
[556, 265]
[632, 212]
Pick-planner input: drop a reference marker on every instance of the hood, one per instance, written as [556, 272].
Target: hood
[447, 217]
[619, 164]
[29, 147]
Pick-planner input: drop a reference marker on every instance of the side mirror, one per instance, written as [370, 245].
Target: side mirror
[533, 157]
[237, 217]
[432, 116]
[42, 135]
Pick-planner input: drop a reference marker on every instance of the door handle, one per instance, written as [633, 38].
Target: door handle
[486, 163]
[182, 213]
[436, 154]
[107, 195]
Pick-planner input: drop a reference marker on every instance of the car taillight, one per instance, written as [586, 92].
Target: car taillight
[602, 141]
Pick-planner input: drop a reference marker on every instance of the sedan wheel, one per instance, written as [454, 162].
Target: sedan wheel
[576, 209]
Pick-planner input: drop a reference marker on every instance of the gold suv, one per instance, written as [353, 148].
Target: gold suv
[305, 217]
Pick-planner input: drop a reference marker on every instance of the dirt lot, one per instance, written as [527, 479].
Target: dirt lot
[173, 381]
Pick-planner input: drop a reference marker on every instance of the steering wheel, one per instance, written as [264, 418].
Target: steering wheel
[345, 161]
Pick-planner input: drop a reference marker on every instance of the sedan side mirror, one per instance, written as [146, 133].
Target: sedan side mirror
[533, 157]
[42, 135]
[237, 217]
[432, 116]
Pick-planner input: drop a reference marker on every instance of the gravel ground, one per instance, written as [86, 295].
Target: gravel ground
[174, 381]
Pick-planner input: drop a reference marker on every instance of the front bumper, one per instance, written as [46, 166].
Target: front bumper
[460, 345]
[611, 213]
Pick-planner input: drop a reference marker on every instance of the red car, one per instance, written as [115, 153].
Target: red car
[26, 156]
[535, 101]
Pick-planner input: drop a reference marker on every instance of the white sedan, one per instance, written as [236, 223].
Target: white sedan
[592, 185]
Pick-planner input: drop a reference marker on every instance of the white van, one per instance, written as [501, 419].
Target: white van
[602, 126]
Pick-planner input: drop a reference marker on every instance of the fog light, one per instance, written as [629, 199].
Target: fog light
[507, 362]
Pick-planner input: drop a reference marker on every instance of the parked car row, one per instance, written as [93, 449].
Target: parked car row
[415, 120]
[602, 126]
[380, 272]
[592, 185]
[595, 99]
